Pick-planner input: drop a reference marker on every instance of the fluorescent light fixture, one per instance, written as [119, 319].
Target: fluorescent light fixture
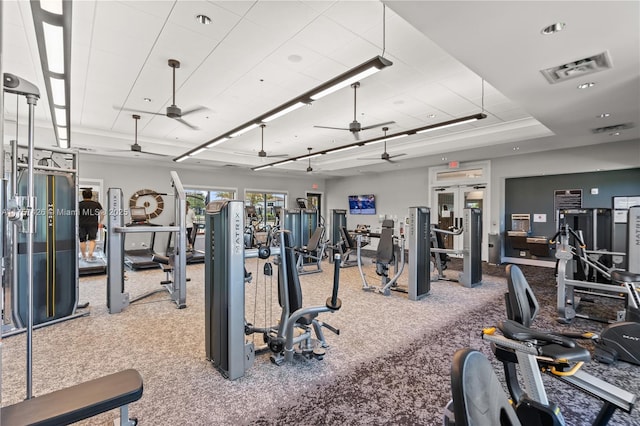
[197, 151]
[180, 159]
[283, 112]
[345, 79]
[344, 83]
[283, 163]
[351, 76]
[52, 6]
[346, 148]
[449, 124]
[402, 135]
[305, 157]
[387, 138]
[52, 24]
[58, 91]
[218, 142]
[257, 169]
[61, 116]
[243, 130]
[54, 42]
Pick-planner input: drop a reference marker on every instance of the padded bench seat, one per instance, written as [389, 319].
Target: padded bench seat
[78, 402]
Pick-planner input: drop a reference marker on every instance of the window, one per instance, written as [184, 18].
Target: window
[265, 204]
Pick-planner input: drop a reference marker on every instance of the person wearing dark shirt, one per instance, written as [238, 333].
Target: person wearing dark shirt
[90, 216]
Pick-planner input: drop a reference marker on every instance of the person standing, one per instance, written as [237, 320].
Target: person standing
[189, 220]
[90, 217]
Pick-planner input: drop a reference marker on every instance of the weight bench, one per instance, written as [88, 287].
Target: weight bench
[78, 402]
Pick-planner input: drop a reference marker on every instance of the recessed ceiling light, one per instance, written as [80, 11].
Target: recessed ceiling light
[604, 115]
[147, 99]
[553, 28]
[444, 158]
[203, 19]
[516, 148]
[614, 134]
[586, 85]
[431, 116]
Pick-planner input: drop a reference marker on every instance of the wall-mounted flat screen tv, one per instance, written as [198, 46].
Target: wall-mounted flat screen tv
[362, 204]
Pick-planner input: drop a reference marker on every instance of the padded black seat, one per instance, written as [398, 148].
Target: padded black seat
[625, 277]
[314, 241]
[347, 239]
[478, 396]
[522, 305]
[77, 402]
[293, 283]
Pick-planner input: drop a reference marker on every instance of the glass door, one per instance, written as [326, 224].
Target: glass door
[451, 201]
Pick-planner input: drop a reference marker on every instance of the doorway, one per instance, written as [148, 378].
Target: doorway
[454, 189]
[450, 203]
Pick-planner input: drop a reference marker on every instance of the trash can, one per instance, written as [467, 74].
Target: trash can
[494, 249]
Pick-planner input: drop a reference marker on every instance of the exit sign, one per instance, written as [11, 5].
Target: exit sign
[454, 164]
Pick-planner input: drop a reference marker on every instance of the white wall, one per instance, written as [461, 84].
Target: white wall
[132, 177]
[396, 191]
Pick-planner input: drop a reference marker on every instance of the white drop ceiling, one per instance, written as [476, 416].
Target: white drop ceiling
[257, 55]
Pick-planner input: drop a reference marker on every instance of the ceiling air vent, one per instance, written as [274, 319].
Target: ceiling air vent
[578, 68]
[614, 128]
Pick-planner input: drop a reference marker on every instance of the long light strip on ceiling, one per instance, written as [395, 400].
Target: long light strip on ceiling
[52, 23]
[345, 79]
[444, 124]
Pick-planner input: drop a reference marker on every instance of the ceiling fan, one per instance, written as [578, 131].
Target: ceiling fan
[173, 111]
[355, 127]
[309, 168]
[262, 153]
[385, 155]
[136, 147]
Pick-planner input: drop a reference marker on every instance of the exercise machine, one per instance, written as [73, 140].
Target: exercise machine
[87, 399]
[338, 221]
[312, 253]
[117, 298]
[386, 255]
[477, 394]
[141, 258]
[537, 352]
[418, 229]
[471, 230]
[41, 200]
[97, 265]
[225, 278]
[391, 250]
[566, 254]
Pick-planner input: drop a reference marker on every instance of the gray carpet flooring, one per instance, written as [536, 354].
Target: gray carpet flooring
[389, 365]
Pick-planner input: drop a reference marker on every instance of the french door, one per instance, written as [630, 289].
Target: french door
[450, 203]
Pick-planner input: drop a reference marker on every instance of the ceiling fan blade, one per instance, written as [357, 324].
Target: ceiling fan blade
[333, 128]
[153, 153]
[117, 108]
[196, 109]
[397, 155]
[373, 126]
[191, 126]
[356, 135]
[278, 156]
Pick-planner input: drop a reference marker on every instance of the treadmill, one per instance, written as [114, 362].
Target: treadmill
[141, 258]
[197, 254]
[96, 266]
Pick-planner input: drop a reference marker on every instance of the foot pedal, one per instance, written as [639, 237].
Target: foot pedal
[319, 353]
[605, 355]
